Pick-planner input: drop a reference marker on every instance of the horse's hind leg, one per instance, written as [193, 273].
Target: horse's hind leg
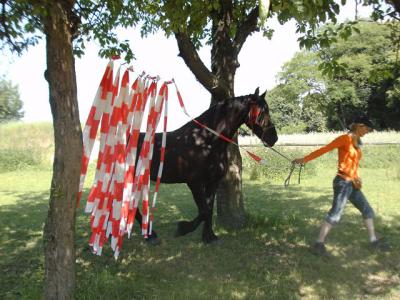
[184, 227]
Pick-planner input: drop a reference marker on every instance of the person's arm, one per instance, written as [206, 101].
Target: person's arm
[336, 143]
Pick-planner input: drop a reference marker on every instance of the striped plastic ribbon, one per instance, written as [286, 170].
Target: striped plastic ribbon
[117, 188]
[122, 175]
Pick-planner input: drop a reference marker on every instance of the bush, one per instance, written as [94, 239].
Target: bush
[11, 160]
[293, 128]
[380, 156]
[277, 167]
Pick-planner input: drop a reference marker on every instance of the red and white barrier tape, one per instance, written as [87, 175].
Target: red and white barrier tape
[117, 188]
[119, 184]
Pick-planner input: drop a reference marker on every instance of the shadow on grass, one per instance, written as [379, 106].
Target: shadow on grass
[268, 259]
[292, 218]
[21, 248]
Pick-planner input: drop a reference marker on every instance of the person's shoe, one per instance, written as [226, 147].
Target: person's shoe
[319, 249]
[380, 245]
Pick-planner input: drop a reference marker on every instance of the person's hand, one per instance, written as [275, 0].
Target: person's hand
[299, 161]
[357, 183]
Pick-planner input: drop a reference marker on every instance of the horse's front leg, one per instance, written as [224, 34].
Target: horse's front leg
[184, 227]
[152, 239]
[208, 233]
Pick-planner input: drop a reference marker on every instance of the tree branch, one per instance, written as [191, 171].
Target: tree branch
[191, 58]
[395, 4]
[245, 29]
[393, 15]
[7, 31]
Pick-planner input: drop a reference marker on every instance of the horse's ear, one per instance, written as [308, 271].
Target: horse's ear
[264, 94]
[257, 91]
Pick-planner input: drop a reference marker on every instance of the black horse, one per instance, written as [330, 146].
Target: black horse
[199, 158]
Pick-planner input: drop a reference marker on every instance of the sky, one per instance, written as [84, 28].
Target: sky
[260, 61]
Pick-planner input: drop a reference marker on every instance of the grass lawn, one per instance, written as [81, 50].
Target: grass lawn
[268, 259]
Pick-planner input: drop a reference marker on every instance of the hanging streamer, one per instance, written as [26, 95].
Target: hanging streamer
[117, 188]
[90, 130]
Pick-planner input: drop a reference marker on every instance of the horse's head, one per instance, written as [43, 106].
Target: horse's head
[259, 120]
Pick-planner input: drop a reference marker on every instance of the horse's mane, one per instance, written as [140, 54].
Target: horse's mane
[239, 100]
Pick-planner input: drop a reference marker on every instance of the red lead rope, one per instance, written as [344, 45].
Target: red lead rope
[220, 135]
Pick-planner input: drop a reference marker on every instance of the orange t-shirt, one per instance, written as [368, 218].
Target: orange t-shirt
[348, 156]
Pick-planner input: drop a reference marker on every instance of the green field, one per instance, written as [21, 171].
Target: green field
[268, 259]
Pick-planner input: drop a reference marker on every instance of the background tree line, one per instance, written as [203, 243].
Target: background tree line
[324, 87]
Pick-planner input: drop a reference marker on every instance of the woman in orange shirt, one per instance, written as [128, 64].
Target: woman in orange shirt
[346, 184]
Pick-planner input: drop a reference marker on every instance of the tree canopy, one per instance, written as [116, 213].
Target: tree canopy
[367, 82]
[21, 24]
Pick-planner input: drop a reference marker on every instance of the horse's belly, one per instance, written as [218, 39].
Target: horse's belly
[195, 171]
[170, 174]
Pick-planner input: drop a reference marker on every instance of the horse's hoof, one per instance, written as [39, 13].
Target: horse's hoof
[182, 228]
[179, 232]
[154, 241]
[213, 240]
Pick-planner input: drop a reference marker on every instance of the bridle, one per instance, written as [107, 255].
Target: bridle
[256, 117]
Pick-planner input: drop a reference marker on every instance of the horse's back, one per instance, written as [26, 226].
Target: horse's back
[188, 157]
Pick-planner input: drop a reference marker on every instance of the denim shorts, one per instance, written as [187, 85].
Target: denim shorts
[342, 191]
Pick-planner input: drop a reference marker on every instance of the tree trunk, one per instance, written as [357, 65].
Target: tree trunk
[59, 229]
[230, 208]
[224, 62]
[220, 83]
[229, 197]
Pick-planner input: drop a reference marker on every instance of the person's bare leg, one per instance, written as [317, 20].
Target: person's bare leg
[369, 223]
[318, 248]
[323, 232]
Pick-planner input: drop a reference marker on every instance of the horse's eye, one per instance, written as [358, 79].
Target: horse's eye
[264, 121]
[261, 119]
